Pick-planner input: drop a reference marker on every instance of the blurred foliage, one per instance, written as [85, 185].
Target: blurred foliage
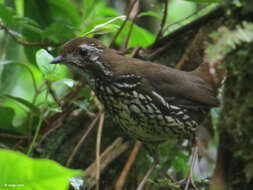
[31, 33]
[40, 174]
[226, 41]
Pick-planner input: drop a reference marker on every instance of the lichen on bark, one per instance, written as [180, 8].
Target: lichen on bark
[235, 125]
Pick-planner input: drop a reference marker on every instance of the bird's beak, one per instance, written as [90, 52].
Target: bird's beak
[57, 59]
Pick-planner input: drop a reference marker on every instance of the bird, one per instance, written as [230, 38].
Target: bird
[149, 101]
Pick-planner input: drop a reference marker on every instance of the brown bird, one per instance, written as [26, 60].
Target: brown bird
[151, 102]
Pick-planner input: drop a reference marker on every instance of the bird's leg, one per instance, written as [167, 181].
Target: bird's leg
[190, 177]
[153, 152]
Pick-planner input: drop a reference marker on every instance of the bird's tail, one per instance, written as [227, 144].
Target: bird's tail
[212, 74]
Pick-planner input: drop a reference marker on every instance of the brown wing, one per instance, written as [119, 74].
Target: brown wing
[184, 86]
[171, 84]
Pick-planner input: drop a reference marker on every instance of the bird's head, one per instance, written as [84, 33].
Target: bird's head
[84, 54]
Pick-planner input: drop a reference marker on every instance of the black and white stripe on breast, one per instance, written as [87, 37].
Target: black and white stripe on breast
[141, 114]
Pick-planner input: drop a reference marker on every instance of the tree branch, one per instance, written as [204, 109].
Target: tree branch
[26, 43]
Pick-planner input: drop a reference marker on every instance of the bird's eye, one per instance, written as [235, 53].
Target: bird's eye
[83, 51]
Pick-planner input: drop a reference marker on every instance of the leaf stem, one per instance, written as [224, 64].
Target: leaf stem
[35, 135]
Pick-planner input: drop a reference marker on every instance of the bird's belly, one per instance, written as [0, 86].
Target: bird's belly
[145, 122]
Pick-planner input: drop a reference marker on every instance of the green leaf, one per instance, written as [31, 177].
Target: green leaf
[65, 11]
[180, 163]
[54, 32]
[24, 173]
[43, 59]
[99, 10]
[87, 8]
[12, 71]
[103, 10]
[7, 16]
[24, 102]
[6, 118]
[150, 13]
[9, 76]
[52, 72]
[38, 11]
[96, 15]
[86, 92]
[53, 107]
[204, 1]
[80, 104]
[139, 37]
[107, 26]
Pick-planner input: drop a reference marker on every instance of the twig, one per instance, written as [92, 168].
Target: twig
[188, 50]
[56, 120]
[151, 54]
[165, 12]
[26, 43]
[17, 144]
[135, 51]
[202, 20]
[52, 92]
[72, 155]
[75, 92]
[6, 135]
[35, 135]
[130, 161]
[99, 134]
[125, 44]
[123, 24]
[111, 152]
[97, 103]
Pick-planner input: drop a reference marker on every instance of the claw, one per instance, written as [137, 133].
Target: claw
[190, 178]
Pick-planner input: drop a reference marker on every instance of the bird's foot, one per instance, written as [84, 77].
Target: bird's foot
[190, 181]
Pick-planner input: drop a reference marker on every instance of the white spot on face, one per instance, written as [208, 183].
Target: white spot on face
[93, 57]
[91, 48]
